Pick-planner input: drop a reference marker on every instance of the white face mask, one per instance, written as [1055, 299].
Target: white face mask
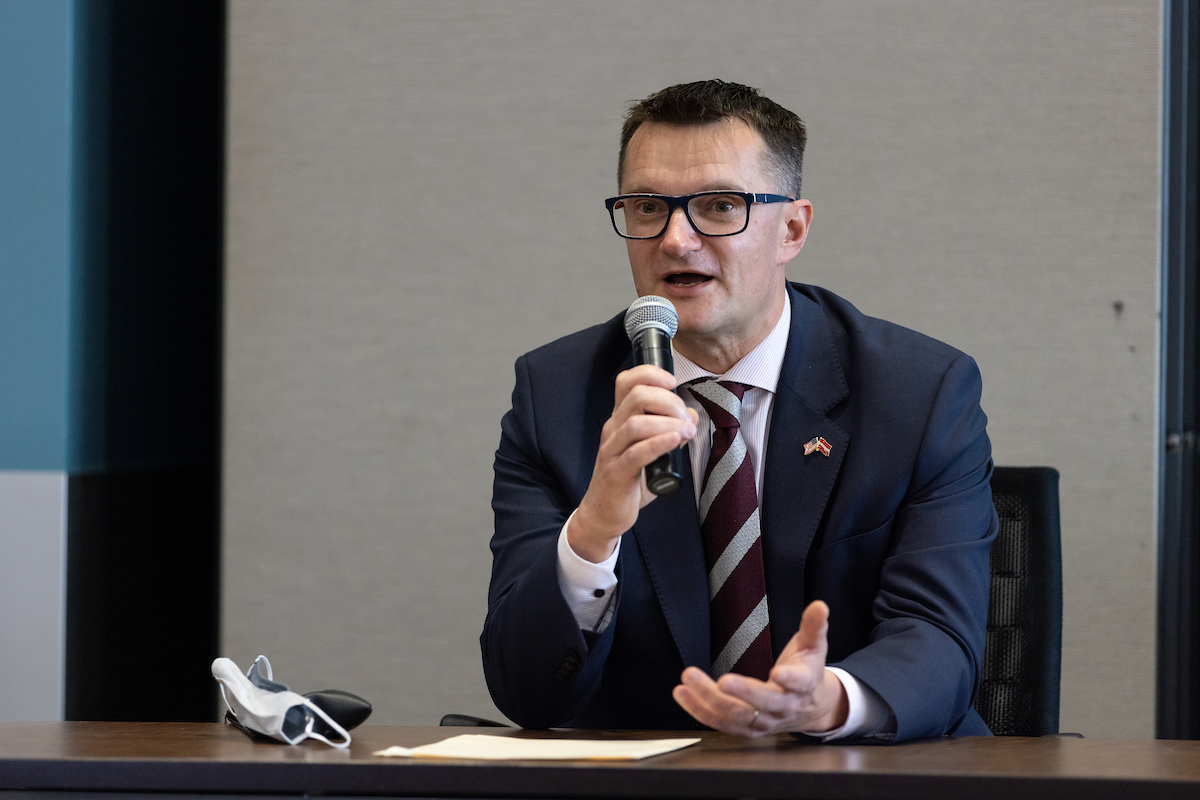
[271, 708]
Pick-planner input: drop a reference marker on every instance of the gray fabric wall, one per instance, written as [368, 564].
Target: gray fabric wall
[415, 198]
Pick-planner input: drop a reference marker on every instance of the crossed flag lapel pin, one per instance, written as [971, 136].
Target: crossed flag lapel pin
[818, 443]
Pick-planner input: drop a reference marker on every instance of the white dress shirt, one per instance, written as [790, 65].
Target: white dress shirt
[588, 587]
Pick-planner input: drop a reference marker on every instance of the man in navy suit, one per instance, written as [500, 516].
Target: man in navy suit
[865, 441]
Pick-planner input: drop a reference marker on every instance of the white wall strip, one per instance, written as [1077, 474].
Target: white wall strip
[33, 524]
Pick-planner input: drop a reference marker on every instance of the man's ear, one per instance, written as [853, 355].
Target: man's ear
[796, 220]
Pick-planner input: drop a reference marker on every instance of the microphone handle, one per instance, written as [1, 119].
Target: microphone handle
[664, 475]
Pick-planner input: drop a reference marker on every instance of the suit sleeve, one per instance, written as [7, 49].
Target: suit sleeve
[540, 667]
[925, 650]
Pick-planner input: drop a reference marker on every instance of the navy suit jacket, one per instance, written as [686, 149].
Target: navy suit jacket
[892, 530]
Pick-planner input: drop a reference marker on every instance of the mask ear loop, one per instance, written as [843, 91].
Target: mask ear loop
[265, 661]
[345, 735]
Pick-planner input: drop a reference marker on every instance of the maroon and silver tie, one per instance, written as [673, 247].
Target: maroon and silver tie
[729, 528]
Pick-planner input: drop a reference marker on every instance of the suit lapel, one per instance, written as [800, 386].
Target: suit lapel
[668, 535]
[797, 487]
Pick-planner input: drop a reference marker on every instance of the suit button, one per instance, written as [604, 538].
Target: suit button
[567, 667]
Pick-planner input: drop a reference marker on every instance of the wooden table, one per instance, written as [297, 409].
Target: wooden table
[46, 760]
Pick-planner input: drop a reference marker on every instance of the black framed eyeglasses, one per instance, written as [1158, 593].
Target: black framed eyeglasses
[719, 213]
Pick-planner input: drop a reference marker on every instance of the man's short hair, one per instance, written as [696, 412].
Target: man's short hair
[706, 102]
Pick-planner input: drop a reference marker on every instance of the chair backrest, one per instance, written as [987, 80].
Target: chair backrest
[1022, 658]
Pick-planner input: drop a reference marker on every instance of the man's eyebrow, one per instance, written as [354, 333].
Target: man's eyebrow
[719, 186]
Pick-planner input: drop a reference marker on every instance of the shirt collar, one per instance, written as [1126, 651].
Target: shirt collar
[760, 367]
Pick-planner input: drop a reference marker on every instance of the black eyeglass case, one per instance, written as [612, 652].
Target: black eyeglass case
[346, 709]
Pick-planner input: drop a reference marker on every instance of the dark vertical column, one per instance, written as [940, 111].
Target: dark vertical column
[1178, 691]
[143, 508]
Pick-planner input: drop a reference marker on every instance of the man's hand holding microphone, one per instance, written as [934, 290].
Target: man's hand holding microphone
[642, 438]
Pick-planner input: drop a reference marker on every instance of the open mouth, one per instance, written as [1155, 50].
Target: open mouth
[687, 278]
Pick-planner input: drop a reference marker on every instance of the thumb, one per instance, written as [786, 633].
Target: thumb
[814, 629]
[797, 665]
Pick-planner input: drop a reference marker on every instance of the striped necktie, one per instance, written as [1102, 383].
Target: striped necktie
[729, 528]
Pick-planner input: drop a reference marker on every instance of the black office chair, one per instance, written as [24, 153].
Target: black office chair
[1022, 657]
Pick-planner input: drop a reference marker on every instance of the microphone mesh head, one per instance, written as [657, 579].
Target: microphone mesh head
[651, 311]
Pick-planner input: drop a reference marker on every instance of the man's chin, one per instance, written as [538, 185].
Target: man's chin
[695, 324]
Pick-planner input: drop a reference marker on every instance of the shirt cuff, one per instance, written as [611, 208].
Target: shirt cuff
[868, 714]
[587, 587]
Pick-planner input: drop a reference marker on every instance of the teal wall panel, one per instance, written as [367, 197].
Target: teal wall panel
[35, 231]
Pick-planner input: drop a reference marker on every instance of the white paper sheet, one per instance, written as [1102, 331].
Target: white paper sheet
[510, 748]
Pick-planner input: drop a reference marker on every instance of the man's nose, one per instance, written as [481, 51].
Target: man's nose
[680, 237]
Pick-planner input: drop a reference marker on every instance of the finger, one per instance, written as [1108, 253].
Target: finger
[643, 375]
[694, 704]
[692, 694]
[814, 626]
[638, 456]
[701, 697]
[643, 399]
[636, 438]
[798, 681]
[767, 697]
[621, 434]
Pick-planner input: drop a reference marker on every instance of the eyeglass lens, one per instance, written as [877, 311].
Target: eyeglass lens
[711, 214]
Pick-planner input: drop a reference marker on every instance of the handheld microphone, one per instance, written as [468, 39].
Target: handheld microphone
[650, 323]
